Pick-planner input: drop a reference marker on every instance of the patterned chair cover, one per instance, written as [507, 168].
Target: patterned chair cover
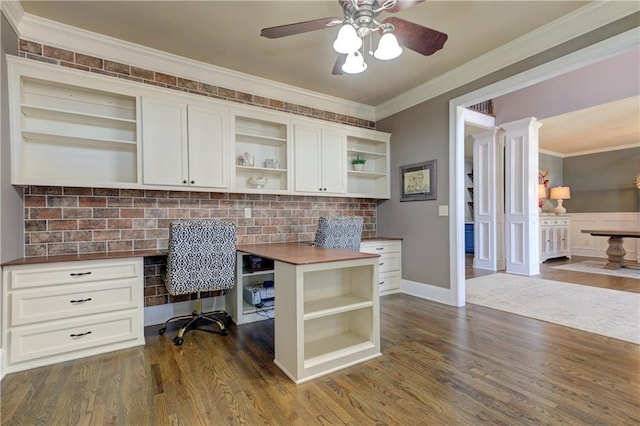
[202, 256]
[339, 233]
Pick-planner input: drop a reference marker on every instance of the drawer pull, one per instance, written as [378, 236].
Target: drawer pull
[381, 282]
[379, 248]
[79, 334]
[80, 274]
[80, 301]
[381, 263]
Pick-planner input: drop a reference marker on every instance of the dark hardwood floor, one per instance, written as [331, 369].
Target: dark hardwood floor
[441, 365]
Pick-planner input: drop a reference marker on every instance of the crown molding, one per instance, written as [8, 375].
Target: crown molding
[589, 151]
[565, 28]
[54, 33]
[13, 11]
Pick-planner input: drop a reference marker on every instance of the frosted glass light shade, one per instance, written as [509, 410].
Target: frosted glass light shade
[542, 191]
[354, 63]
[347, 40]
[388, 47]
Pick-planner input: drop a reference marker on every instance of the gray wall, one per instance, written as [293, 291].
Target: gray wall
[603, 82]
[603, 182]
[422, 133]
[11, 212]
[554, 166]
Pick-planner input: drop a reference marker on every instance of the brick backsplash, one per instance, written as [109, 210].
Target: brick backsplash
[66, 58]
[70, 220]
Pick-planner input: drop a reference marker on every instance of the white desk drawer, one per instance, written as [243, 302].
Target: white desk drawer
[380, 247]
[389, 262]
[46, 304]
[28, 276]
[389, 281]
[45, 340]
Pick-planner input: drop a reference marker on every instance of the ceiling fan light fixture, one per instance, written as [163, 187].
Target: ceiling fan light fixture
[354, 64]
[388, 47]
[347, 40]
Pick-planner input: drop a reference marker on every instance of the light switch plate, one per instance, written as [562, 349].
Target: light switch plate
[247, 212]
[443, 210]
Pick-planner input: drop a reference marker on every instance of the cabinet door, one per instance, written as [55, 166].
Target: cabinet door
[164, 142]
[208, 147]
[333, 158]
[307, 156]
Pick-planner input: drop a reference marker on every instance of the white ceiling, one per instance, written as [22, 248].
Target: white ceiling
[227, 34]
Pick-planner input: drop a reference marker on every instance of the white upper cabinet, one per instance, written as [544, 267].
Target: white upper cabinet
[184, 145]
[70, 128]
[319, 158]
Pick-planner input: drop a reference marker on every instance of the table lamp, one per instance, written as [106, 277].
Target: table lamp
[560, 193]
[542, 194]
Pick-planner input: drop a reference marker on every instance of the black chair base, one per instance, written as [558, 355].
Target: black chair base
[196, 318]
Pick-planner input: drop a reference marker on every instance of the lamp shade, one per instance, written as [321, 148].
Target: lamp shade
[354, 63]
[347, 40]
[542, 191]
[560, 193]
[388, 47]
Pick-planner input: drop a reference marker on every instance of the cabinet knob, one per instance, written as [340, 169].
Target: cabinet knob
[184, 181]
[192, 182]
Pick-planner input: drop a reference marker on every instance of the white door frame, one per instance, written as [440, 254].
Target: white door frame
[605, 49]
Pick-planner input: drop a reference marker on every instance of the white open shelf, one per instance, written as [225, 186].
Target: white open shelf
[334, 305]
[331, 348]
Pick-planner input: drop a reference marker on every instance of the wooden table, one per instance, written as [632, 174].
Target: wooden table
[615, 251]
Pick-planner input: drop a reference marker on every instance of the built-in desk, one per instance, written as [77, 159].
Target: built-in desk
[327, 312]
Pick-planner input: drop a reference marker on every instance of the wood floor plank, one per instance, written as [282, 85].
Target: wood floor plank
[441, 365]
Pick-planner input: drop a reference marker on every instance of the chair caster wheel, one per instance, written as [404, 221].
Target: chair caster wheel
[161, 331]
[178, 341]
[224, 331]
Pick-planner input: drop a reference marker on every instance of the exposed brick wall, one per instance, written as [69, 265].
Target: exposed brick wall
[70, 220]
[66, 58]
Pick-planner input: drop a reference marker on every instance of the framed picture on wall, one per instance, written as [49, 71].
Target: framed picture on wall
[418, 181]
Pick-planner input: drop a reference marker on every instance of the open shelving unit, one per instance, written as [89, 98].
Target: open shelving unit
[338, 319]
[263, 140]
[240, 311]
[69, 131]
[373, 180]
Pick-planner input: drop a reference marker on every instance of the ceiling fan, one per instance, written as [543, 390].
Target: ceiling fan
[359, 22]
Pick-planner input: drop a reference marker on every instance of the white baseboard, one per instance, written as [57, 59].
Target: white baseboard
[427, 291]
[587, 245]
[159, 314]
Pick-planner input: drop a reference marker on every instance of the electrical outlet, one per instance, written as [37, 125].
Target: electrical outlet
[247, 212]
[443, 210]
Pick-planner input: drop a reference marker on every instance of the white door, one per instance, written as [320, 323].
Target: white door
[521, 196]
[164, 142]
[488, 199]
[208, 147]
[334, 160]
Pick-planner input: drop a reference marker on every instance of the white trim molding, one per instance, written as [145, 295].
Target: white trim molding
[565, 28]
[426, 291]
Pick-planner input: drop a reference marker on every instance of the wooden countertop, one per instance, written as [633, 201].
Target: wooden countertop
[605, 233]
[281, 250]
[83, 257]
[301, 253]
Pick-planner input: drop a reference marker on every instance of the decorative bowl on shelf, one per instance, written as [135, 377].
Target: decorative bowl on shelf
[258, 181]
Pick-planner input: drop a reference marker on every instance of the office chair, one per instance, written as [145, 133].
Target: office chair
[339, 233]
[202, 257]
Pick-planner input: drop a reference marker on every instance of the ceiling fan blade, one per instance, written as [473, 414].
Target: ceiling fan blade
[422, 40]
[403, 4]
[337, 68]
[299, 27]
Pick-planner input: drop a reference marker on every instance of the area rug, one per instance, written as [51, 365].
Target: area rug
[597, 310]
[597, 267]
